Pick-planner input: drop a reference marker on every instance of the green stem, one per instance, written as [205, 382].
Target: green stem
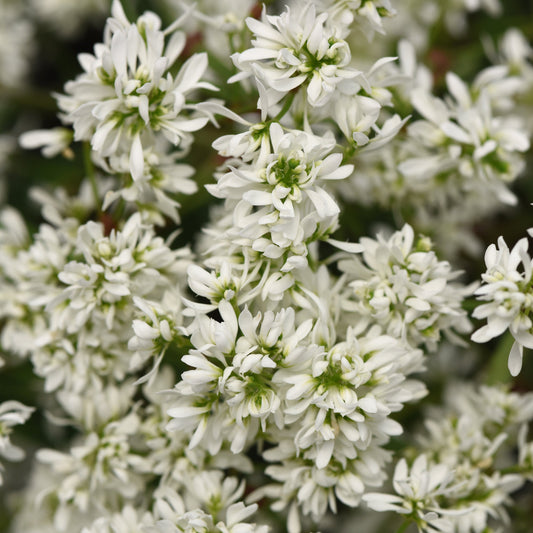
[515, 469]
[286, 106]
[235, 306]
[120, 209]
[497, 369]
[91, 174]
[404, 526]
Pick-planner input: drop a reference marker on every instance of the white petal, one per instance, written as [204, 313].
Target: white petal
[324, 454]
[323, 202]
[136, 158]
[456, 133]
[515, 359]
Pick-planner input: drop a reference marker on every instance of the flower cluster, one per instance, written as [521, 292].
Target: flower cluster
[297, 48]
[279, 201]
[464, 476]
[73, 309]
[264, 366]
[137, 115]
[507, 291]
[400, 285]
[457, 161]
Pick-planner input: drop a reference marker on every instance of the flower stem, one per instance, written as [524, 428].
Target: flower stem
[404, 526]
[286, 106]
[497, 371]
[91, 174]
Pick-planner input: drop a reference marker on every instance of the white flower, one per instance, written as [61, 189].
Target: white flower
[53, 142]
[210, 490]
[507, 289]
[400, 284]
[474, 436]
[129, 520]
[66, 212]
[417, 492]
[13, 234]
[29, 280]
[103, 465]
[303, 486]
[230, 281]
[127, 94]
[280, 200]
[110, 270]
[252, 144]
[198, 521]
[154, 189]
[296, 48]
[158, 326]
[464, 137]
[229, 393]
[364, 15]
[513, 59]
[337, 408]
[516, 51]
[330, 397]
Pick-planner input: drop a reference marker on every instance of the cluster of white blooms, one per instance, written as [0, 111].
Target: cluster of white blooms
[69, 295]
[508, 290]
[466, 470]
[283, 361]
[136, 113]
[278, 199]
[337, 419]
[297, 48]
[461, 136]
[458, 148]
[323, 404]
[400, 285]
[456, 163]
[256, 378]
[124, 455]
